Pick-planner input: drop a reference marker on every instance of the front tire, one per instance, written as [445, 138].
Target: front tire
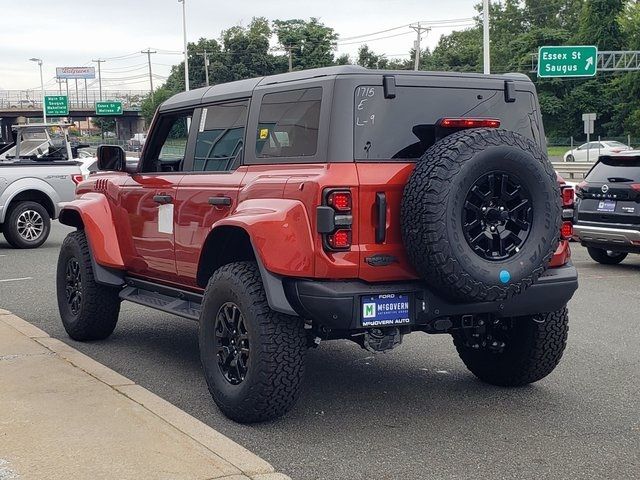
[533, 347]
[252, 357]
[606, 257]
[89, 311]
[27, 226]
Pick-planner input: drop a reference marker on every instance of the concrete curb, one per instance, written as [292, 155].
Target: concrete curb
[252, 466]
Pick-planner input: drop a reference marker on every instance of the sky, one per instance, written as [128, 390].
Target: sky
[73, 32]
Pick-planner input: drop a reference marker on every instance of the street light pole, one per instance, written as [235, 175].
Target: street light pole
[186, 54]
[44, 112]
[99, 61]
[485, 38]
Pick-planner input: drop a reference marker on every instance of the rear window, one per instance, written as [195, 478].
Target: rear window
[288, 123]
[615, 170]
[405, 126]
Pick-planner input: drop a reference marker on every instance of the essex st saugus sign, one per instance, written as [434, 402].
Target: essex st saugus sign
[567, 61]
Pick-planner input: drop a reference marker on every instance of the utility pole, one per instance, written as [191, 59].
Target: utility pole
[485, 38]
[290, 50]
[206, 67]
[99, 61]
[148, 52]
[418, 29]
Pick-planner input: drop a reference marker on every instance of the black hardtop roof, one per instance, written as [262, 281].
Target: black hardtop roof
[242, 88]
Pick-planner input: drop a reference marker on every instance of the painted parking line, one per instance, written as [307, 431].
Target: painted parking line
[15, 279]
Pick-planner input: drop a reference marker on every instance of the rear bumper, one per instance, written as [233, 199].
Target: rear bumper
[337, 304]
[590, 234]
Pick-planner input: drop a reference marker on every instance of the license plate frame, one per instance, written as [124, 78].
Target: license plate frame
[385, 310]
[606, 206]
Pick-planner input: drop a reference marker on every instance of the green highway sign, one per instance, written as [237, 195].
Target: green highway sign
[567, 61]
[108, 108]
[56, 105]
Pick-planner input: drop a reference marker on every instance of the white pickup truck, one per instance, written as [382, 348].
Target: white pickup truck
[36, 174]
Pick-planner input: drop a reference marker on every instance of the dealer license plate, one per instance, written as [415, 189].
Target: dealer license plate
[606, 206]
[385, 310]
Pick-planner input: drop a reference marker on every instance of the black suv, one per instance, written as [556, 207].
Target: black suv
[607, 213]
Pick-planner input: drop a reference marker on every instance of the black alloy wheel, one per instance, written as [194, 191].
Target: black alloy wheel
[232, 343]
[497, 216]
[73, 285]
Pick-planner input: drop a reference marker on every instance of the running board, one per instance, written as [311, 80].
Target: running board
[161, 297]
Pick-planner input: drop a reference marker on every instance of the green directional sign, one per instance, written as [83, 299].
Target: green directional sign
[108, 108]
[567, 61]
[56, 105]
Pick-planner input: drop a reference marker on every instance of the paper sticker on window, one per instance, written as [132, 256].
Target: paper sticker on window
[264, 133]
[203, 120]
[165, 218]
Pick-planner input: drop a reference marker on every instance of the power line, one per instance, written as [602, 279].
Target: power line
[373, 39]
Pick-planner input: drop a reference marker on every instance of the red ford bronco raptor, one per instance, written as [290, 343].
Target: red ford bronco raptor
[338, 203]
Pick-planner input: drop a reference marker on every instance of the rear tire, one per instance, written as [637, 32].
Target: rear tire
[481, 215]
[27, 225]
[253, 358]
[533, 348]
[89, 311]
[606, 257]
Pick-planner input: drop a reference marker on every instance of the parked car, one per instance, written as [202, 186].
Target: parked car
[338, 203]
[34, 183]
[594, 149]
[607, 214]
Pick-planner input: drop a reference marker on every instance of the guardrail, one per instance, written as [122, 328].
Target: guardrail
[571, 169]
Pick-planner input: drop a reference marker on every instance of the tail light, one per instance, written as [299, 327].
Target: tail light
[635, 186]
[339, 200]
[334, 219]
[567, 230]
[567, 193]
[77, 178]
[340, 239]
[616, 150]
[469, 123]
[567, 196]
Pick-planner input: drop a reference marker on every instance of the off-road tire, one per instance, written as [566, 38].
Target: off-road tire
[533, 350]
[10, 228]
[99, 305]
[433, 206]
[277, 348]
[601, 255]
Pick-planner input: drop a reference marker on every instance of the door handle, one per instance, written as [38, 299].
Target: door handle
[381, 214]
[224, 201]
[162, 198]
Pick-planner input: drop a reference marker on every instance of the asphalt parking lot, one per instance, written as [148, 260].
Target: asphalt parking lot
[413, 413]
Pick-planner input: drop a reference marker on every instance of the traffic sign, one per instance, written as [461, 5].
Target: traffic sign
[108, 108]
[56, 105]
[567, 61]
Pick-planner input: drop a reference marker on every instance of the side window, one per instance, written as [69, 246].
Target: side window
[288, 123]
[168, 143]
[220, 139]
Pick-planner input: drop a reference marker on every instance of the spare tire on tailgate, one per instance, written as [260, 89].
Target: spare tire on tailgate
[481, 215]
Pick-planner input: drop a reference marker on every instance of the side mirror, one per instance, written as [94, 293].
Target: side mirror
[111, 158]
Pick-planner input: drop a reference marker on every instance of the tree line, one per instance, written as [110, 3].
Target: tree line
[517, 29]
